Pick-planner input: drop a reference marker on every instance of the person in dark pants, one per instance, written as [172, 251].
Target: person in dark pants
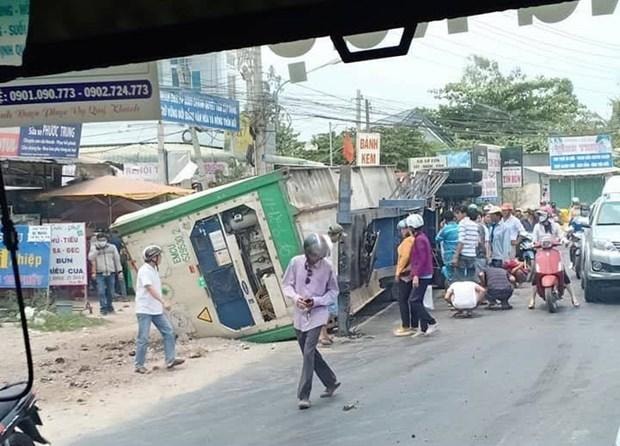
[499, 287]
[310, 282]
[421, 275]
[403, 282]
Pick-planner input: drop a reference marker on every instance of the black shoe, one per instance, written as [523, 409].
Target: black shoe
[506, 306]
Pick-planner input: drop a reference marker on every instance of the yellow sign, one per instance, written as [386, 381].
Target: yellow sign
[204, 315]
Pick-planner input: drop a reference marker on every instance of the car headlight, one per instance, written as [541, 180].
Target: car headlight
[597, 266]
[605, 245]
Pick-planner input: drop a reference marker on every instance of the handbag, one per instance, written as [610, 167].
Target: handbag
[428, 298]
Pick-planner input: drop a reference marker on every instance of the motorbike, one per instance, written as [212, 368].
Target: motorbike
[575, 242]
[549, 277]
[19, 418]
[527, 252]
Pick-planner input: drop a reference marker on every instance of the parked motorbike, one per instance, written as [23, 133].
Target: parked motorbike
[549, 277]
[575, 242]
[527, 252]
[19, 418]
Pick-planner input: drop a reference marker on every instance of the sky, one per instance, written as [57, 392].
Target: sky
[583, 48]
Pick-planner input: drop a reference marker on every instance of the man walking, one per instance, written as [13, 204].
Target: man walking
[464, 259]
[150, 308]
[106, 267]
[310, 282]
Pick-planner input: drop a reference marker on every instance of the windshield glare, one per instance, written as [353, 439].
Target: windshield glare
[609, 214]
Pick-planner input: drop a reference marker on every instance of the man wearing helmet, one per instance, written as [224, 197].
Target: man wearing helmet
[150, 306]
[544, 228]
[310, 282]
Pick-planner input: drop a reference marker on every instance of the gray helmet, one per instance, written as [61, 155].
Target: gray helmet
[150, 252]
[316, 245]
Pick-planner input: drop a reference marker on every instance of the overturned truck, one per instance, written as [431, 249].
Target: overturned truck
[225, 249]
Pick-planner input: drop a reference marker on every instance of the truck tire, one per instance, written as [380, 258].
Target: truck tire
[467, 190]
[464, 175]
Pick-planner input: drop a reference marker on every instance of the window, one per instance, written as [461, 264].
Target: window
[609, 213]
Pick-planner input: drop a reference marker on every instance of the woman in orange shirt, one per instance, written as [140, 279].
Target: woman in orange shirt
[403, 282]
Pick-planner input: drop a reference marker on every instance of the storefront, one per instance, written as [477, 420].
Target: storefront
[560, 186]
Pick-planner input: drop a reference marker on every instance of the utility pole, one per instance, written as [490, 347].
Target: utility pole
[257, 101]
[162, 156]
[344, 250]
[367, 103]
[358, 110]
[185, 81]
[331, 146]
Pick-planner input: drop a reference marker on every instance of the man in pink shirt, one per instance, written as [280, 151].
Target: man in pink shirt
[310, 282]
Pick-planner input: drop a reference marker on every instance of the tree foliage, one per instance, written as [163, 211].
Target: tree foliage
[486, 105]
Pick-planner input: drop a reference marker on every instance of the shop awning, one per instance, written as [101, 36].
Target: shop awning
[568, 173]
[115, 186]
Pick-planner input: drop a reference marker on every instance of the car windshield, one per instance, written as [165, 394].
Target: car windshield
[609, 214]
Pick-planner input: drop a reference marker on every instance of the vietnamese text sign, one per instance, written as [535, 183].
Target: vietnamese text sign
[68, 254]
[512, 167]
[9, 141]
[14, 17]
[368, 149]
[200, 110]
[494, 158]
[124, 93]
[580, 152]
[50, 141]
[427, 163]
[33, 258]
[479, 158]
[489, 184]
[142, 171]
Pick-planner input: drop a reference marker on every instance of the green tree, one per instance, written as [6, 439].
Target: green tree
[486, 105]
[287, 139]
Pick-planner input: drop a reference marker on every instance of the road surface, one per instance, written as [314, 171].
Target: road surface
[513, 378]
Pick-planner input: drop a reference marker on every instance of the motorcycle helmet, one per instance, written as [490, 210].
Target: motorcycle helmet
[575, 201]
[150, 252]
[415, 221]
[315, 246]
[542, 215]
[402, 224]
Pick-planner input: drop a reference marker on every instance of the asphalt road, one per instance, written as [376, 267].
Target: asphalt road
[515, 378]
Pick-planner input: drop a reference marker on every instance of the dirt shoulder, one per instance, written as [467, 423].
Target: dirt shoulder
[86, 378]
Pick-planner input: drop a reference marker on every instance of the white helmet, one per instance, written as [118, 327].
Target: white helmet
[402, 224]
[415, 221]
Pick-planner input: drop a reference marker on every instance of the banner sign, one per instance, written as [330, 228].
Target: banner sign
[142, 171]
[580, 152]
[494, 159]
[200, 110]
[368, 149]
[489, 184]
[479, 158]
[427, 163]
[124, 93]
[14, 18]
[458, 159]
[512, 167]
[68, 255]
[9, 141]
[50, 141]
[33, 258]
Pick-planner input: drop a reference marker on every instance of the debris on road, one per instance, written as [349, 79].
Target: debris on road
[51, 348]
[350, 406]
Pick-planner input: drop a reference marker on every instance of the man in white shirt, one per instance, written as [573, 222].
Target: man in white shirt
[464, 259]
[465, 296]
[513, 226]
[150, 308]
